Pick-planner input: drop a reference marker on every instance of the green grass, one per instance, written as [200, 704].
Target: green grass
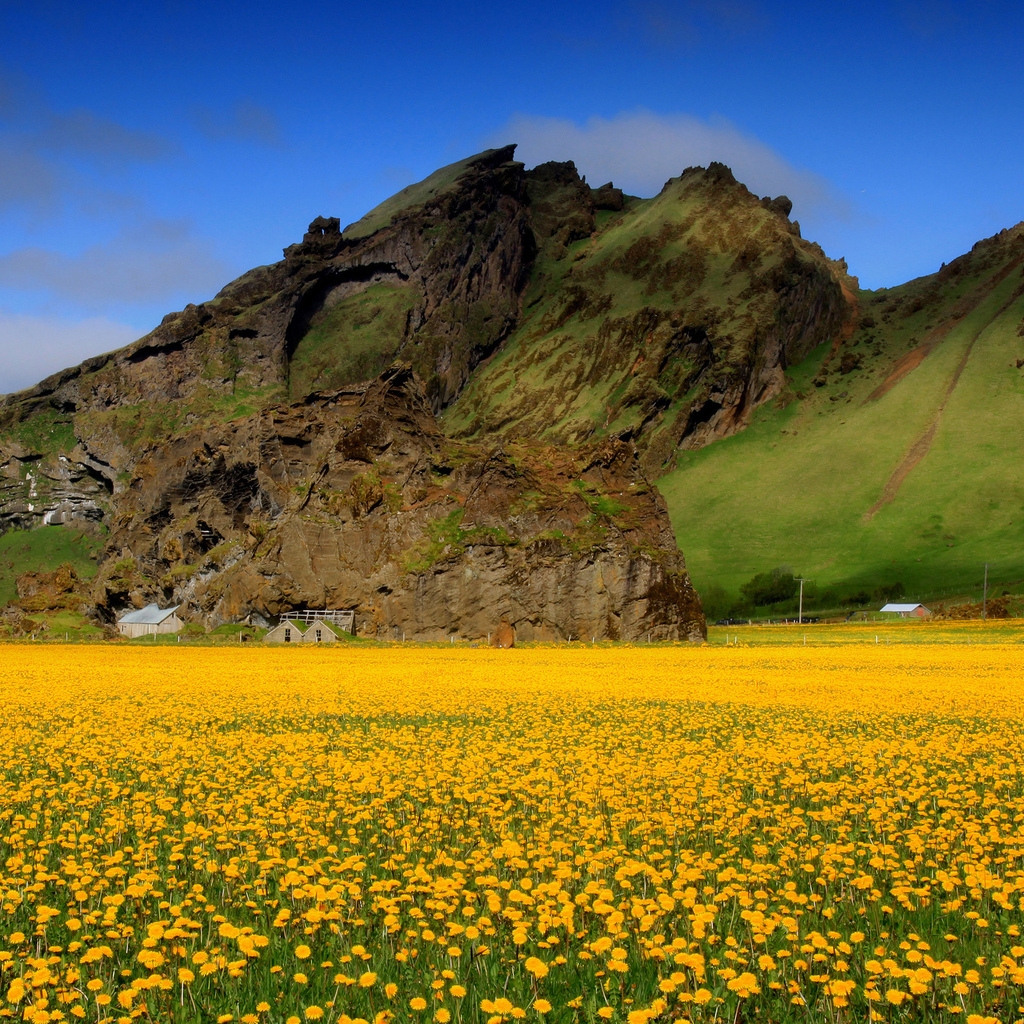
[62, 626]
[412, 195]
[881, 631]
[596, 352]
[798, 486]
[48, 433]
[355, 340]
[446, 538]
[43, 550]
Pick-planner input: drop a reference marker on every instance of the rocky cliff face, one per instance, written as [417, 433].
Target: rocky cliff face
[355, 499]
[531, 306]
[49, 489]
[666, 321]
[457, 262]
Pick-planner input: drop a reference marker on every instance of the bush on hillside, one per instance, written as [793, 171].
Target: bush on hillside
[893, 592]
[716, 601]
[770, 588]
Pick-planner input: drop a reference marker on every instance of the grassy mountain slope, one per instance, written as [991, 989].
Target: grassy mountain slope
[354, 340]
[904, 468]
[412, 195]
[665, 325]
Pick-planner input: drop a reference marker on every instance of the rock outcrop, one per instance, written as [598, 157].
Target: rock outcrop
[457, 262]
[668, 322]
[355, 499]
[45, 591]
[528, 306]
[51, 488]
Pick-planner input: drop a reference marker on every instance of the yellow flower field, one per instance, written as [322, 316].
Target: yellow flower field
[552, 834]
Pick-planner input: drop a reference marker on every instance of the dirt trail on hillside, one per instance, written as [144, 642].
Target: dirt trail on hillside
[913, 359]
[920, 448]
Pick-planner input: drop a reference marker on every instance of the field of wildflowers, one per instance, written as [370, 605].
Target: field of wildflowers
[582, 834]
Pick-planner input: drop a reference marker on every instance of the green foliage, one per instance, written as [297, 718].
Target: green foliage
[353, 340]
[892, 592]
[44, 550]
[770, 588]
[716, 601]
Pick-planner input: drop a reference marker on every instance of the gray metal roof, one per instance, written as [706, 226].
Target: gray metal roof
[901, 607]
[151, 615]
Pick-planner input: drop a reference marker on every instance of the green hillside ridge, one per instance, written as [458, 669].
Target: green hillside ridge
[882, 474]
[619, 329]
[412, 195]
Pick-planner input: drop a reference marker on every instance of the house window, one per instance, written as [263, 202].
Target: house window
[287, 636]
[319, 636]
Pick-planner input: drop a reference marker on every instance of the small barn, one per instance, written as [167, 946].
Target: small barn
[320, 632]
[908, 611]
[286, 632]
[151, 619]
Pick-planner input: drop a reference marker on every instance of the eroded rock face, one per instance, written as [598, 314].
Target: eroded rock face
[50, 490]
[459, 260]
[354, 499]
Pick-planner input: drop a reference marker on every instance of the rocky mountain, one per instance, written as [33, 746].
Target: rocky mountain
[513, 311]
[666, 321]
[355, 499]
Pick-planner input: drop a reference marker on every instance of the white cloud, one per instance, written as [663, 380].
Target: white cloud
[244, 122]
[152, 262]
[641, 150]
[33, 347]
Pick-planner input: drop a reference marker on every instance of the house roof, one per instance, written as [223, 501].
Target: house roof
[901, 607]
[151, 615]
[299, 627]
[332, 626]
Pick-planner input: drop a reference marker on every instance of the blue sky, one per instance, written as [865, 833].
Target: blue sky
[149, 153]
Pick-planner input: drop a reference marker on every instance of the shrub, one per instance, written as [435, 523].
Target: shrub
[770, 588]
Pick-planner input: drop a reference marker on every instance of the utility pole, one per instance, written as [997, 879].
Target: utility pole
[984, 595]
[800, 614]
